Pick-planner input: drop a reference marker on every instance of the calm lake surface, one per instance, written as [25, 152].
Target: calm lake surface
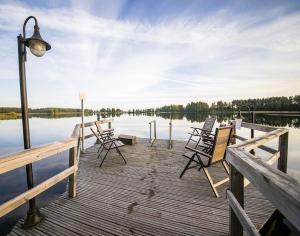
[49, 129]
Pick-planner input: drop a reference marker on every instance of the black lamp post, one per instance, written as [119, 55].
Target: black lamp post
[38, 47]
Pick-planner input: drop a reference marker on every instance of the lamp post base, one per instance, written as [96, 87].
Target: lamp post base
[33, 218]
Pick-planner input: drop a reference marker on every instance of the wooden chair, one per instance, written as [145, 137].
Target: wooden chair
[205, 158]
[103, 134]
[203, 134]
[107, 142]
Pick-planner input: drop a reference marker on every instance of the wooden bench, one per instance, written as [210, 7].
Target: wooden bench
[127, 139]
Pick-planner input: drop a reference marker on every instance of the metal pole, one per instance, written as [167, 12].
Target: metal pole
[252, 130]
[155, 129]
[33, 215]
[170, 134]
[82, 126]
[150, 132]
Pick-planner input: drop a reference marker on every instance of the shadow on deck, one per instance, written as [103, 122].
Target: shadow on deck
[144, 197]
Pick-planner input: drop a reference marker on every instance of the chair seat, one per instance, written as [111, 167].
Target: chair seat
[116, 142]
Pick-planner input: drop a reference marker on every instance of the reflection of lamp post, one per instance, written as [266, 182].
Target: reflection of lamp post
[82, 97]
[38, 47]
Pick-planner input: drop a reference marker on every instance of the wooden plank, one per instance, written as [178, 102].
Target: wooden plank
[238, 210]
[258, 127]
[258, 141]
[271, 160]
[282, 190]
[19, 159]
[89, 136]
[29, 194]
[262, 147]
[166, 205]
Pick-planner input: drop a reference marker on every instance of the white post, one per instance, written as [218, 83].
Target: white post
[170, 134]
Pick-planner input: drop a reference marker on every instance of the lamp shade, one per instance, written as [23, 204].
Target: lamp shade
[238, 120]
[36, 44]
[82, 96]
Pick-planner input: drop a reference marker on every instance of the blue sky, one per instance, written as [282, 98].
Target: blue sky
[150, 53]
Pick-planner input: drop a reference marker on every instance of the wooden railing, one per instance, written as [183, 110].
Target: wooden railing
[280, 189]
[13, 161]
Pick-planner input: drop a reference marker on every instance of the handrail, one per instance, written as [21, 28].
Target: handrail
[15, 160]
[281, 190]
[154, 131]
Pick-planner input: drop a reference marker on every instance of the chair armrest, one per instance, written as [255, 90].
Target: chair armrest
[108, 130]
[198, 151]
[204, 130]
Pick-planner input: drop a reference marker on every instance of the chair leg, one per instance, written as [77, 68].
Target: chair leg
[118, 150]
[225, 167]
[103, 159]
[211, 183]
[100, 148]
[187, 166]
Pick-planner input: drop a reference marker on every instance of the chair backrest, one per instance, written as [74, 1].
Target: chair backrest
[97, 137]
[99, 128]
[209, 123]
[222, 139]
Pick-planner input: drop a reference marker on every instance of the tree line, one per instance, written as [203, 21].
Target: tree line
[291, 103]
[47, 110]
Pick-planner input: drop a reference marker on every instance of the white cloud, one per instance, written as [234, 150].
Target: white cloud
[130, 63]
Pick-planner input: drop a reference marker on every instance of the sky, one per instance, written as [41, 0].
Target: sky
[148, 53]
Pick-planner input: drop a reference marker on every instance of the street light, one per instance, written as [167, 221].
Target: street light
[238, 120]
[38, 47]
[82, 97]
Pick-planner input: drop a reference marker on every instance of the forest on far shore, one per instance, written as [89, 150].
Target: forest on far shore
[291, 103]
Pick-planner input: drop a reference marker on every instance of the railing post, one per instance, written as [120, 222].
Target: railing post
[150, 132]
[98, 116]
[154, 129]
[170, 134]
[72, 178]
[82, 126]
[237, 189]
[252, 130]
[109, 125]
[283, 148]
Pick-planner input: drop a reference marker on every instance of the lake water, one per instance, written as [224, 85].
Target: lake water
[48, 129]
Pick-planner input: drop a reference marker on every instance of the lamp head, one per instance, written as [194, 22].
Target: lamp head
[238, 120]
[36, 44]
[82, 96]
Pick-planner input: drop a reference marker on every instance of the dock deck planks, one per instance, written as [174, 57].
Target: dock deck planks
[144, 197]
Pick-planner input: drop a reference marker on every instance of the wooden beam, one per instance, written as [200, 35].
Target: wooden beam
[246, 222]
[72, 177]
[273, 158]
[88, 136]
[26, 196]
[283, 148]
[16, 160]
[258, 127]
[236, 184]
[256, 142]
[282, 190]
[262, 147]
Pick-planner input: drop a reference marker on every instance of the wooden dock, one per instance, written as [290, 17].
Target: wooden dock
[144, 197]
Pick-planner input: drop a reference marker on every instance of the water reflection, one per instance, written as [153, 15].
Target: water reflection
[48, 128]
